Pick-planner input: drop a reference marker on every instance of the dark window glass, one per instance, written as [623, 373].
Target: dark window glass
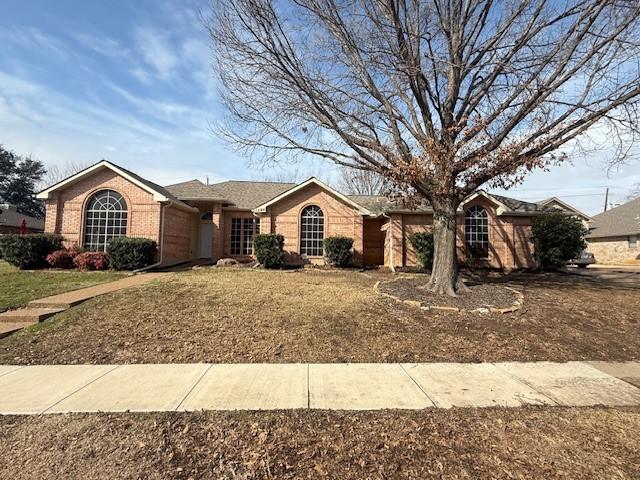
[105, 218]
[311, 231]
[236, 228]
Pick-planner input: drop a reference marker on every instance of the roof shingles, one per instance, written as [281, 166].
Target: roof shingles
[619, 221]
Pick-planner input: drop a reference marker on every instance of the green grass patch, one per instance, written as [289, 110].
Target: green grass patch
[18, 287]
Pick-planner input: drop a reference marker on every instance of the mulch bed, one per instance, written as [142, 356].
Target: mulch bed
[523, 443]
[479, 296]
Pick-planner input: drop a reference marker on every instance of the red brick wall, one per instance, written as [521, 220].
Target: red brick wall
[65, 209]
[180, 235]
[339, 219]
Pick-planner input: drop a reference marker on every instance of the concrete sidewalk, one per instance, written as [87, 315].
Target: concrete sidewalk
[186, 387]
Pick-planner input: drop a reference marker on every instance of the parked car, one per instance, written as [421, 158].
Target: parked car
[583, 260]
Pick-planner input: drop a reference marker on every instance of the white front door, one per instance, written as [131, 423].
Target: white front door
[206, 240]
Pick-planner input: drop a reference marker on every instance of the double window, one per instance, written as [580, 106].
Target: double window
[242, 231]
[105, 218]
[476, 231]
[311, 231]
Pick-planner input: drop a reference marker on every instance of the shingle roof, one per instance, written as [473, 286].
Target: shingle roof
[10, 217]
[619, 221]
[193, 190]
[249, 194]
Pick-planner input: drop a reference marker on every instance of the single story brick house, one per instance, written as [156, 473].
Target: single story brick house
[614, 235]
[11, 220]
[192, 220]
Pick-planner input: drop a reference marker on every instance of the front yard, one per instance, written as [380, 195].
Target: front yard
[17, 287]
[241, 315]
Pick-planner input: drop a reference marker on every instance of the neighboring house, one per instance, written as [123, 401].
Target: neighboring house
[614, 235]
[191, 220]
[11, 219]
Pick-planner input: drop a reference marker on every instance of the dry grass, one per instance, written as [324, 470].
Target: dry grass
[240, 315]
[518, 443]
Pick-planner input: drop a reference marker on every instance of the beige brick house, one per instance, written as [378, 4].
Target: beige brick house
[614, 235]
[191, 220]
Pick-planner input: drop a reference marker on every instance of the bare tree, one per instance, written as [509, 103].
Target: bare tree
[361, 182]
[439, 96]
[56, 173]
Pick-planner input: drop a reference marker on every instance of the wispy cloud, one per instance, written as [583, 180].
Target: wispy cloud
[157, 51]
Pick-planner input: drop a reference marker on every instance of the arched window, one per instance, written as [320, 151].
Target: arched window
[311, 231]
[476, 231]
[105, 218]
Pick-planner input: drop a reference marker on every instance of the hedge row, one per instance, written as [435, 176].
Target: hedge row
[43, 250]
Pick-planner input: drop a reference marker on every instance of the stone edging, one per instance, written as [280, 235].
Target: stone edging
[517, 304]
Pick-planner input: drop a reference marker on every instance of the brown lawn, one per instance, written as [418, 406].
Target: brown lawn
[517, 443]
[243, 315]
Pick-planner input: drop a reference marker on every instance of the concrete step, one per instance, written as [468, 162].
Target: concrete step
[28, 315]
[54, 304]
[7, 328]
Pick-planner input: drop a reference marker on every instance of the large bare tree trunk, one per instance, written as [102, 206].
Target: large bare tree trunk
[444, 274]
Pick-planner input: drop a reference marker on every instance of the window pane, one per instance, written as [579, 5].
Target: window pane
[476, 231]
[105, 218]
[311, 231]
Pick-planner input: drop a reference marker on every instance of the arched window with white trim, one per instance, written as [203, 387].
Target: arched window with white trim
[311, 231]
[476, 231]
[105, 218]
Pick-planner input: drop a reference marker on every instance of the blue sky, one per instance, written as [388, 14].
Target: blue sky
[130, 81]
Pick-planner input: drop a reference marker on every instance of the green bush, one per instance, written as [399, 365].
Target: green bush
[337, 250]
[29, 251]
[423, 244]
[268, 248]
[557, 238]
[127, 253]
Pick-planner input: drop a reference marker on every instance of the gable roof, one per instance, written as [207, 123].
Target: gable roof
[619, 221]
[311, 181]
[547, 204]
[160, 194]
[10, 217]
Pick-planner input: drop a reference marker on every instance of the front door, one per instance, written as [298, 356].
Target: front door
[206, 240]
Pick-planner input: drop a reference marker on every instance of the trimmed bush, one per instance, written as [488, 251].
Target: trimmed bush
[557, 238]
[268, 248]
[127, 253]
[29, 251]
[337, 250]
[91, 261]
[61, 259]
[423, 244]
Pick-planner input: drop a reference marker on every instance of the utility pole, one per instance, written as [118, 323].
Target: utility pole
[606, 199]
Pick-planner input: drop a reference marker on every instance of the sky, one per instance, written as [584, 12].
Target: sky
[131, 82]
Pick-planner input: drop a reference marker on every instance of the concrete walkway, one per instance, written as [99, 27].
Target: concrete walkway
[187, 387]
[43, 308]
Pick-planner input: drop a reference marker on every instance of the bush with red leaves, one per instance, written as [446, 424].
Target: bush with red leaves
[92, 261]
[61, 259]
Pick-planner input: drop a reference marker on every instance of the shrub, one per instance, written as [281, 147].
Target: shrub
[337, 250]
[91, 261]
[29, 251]
[557, 238]
[423, 244]
[61, 258]
[131, 253]
[268, 248]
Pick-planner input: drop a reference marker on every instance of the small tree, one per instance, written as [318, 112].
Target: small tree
[18, 179]
[557, 238]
